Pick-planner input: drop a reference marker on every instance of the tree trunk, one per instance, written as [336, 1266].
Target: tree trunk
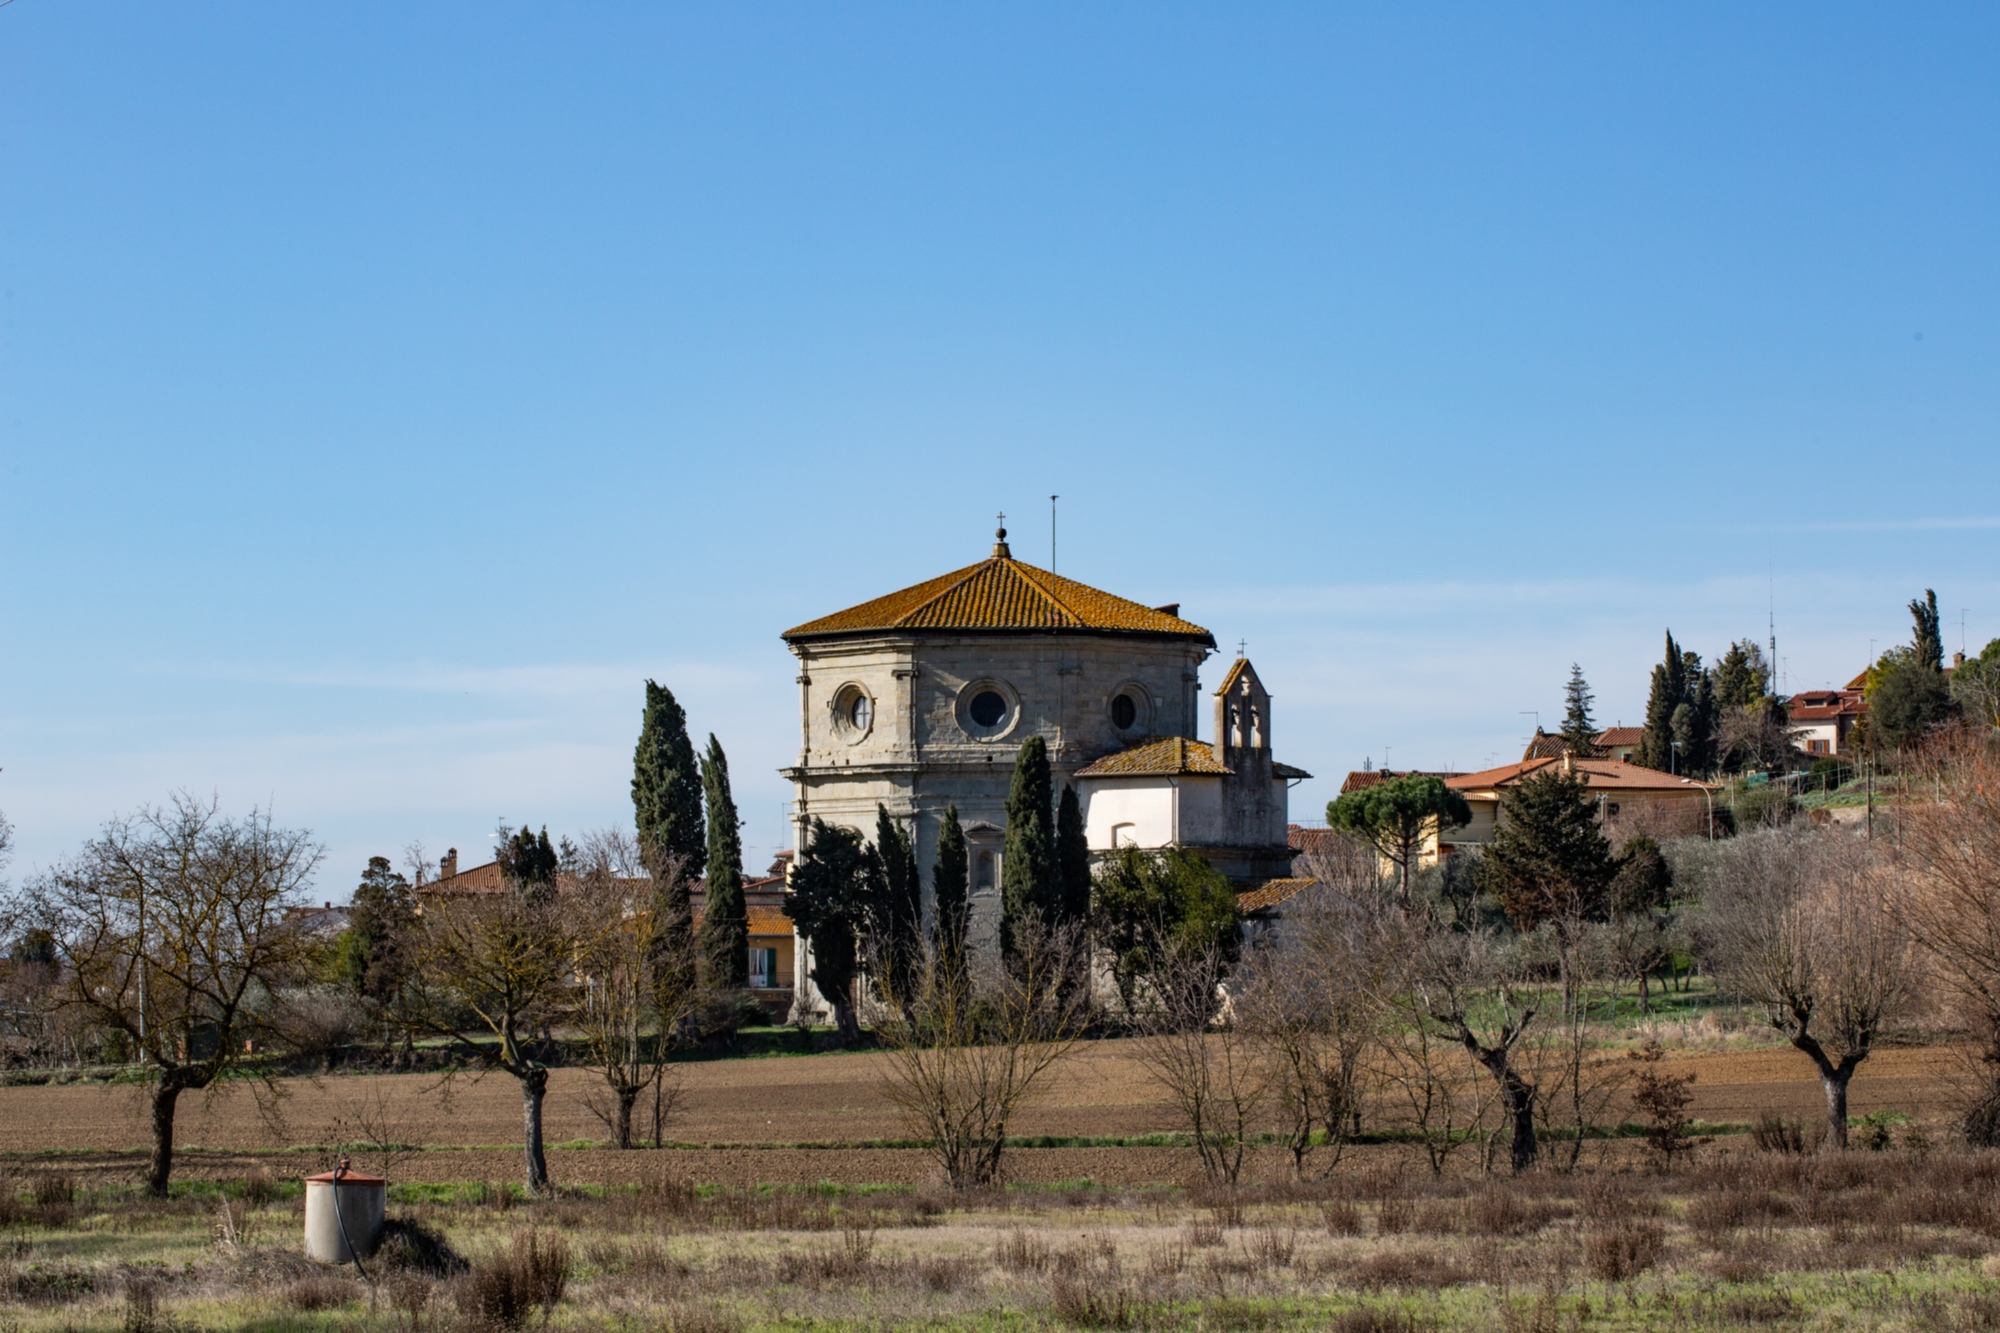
[1834, 1085]
[534, 1084]
[1521, 1107]
[845, 1023]
[1833, 1081]
[627, 1095]
[165, 1095]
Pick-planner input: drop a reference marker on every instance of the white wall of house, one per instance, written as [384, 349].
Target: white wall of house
[1150, 812]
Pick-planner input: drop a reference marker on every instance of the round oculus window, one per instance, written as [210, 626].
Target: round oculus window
[1124, 712]
[987, 708]
[860, 711]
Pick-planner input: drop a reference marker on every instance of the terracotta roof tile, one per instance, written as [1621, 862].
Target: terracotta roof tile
[1361, 780]
[1162, 758]
[1604, 773]
[1236, 669]
[1621, 736]
[1271, 893]
[768, 921]
[1279, 770]
[1001, 593]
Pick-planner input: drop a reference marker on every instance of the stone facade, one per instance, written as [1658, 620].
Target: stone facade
[920, 700]
[888, 720]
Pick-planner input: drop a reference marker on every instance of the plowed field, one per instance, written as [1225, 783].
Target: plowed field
[774, 1108]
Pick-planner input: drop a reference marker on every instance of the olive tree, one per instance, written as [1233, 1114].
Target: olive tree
[493, 970]
[169, 928]
[1950, 902]
[1802, 924]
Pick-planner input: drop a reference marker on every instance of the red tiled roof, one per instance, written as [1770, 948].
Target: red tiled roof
[1616, 774]
[1271, 893]
[1611, 736]
[766, 922]
[1236, 668]
[1362, 779]
[1001, 593]
[1161, 758]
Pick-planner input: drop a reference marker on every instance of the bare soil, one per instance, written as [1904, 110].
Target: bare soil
[835, 1100]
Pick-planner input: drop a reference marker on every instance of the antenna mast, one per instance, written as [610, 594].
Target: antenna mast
[1052, 532]
[1772, 622]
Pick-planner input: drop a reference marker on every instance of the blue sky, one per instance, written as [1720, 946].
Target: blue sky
[384, 394]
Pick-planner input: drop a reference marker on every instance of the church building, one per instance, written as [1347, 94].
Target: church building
[921, 699]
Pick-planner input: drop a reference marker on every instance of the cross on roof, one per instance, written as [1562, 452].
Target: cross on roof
[1242, 644]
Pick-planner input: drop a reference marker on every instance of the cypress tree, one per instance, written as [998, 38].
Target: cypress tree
[529, 862]
[1579, 729]
[1030, 882]
[897, 915]
[666, 805]
[1072, 859]
[827, 901]
[1928, 640]
[725, 924]
[950, 881]
[1668, 693]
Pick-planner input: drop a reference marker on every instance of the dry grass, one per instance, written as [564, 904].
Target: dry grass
[1748, 1240]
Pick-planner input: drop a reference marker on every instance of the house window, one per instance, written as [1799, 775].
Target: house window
[1611, 809]
[763, 969]
[1124, 835]
[1818, 747]
[987, 708]
[1124, 712]
[983, 874]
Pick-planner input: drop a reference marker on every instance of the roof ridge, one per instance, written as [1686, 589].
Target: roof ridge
[1032, 575]
[963, 577]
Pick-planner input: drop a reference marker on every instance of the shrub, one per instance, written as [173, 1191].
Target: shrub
[946, 1273]
[1087, 1305]
[1341, 1218]
[1372, 1319]
[1773, 1134]
[1623, 1249]
[411, 1247]
[503, 1292]
[1022, 1252]
[319, 1291]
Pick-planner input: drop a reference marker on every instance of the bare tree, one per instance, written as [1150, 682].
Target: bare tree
[1466, 987]
[1950, 902]
[1313, 995]
[169, 928]
[1210, 1067]
[1801, 923]
[500, 964]
[977, 1041]
[620, 1022]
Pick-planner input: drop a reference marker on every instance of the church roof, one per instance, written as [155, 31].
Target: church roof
[1237, 668]
[1162, 758]
[1002, 594]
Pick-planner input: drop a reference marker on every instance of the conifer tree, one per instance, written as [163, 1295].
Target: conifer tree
[949, 886]
[1072, 859]
[1030, 881]
[666, 805]
[896, 916]
[529, 862]
[725, 923]
[375, 950]
[828, 903]
[1928, 640]
[1668, 693]
[1579, 729]
[1741, 678]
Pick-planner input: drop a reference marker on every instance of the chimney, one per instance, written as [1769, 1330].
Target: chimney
[448, 864]
[1958, 659]
[1569, 762]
